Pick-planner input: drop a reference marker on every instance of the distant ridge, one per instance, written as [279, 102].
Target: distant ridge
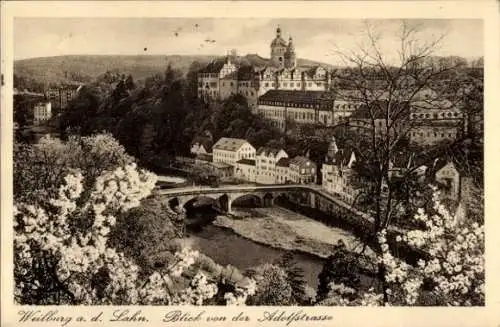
[60, 69]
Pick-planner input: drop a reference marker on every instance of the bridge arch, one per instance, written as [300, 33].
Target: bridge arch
[268, 200]
[199, 200]
[251, 198]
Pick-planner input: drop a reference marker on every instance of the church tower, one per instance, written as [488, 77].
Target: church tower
[278, 49]
[332, 152]
[290, 58]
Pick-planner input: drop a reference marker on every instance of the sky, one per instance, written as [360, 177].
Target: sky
[315, 39]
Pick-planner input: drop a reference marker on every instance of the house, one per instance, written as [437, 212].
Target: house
[453, 181]
[221, 169]
[230, 150]
[301, 107]
[198, 148]
[245, 170]
[217, 80]
[434, 132]
[42, 112]
[61, 96]
[337, 173]
[282, 171]
[265, 163]
[302, 170]
[373, 118]
[400, 163]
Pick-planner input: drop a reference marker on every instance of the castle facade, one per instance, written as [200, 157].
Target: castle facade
[223, 78]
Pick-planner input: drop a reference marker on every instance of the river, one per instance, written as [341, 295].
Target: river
[225, 247]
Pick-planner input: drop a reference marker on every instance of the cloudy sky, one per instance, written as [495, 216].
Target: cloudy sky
[314, 38]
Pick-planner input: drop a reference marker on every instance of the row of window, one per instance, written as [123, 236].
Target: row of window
[436, 115]
[208, 75]
[224, 155]
[288, 104]
[434, 134]
[295, 115]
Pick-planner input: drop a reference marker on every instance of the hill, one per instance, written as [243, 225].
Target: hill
[83, 68]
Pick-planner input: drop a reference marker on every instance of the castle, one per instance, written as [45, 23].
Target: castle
[283, 92]
[222, 78]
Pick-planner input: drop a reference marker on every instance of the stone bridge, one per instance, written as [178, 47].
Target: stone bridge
[225, 195]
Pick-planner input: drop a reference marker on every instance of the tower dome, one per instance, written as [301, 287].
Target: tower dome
[291, 47]
[290, 59]
[278, 40]
[278, 49]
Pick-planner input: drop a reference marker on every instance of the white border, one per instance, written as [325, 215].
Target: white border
[487, 10]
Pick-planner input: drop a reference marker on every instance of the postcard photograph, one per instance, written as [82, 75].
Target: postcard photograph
[201, 161]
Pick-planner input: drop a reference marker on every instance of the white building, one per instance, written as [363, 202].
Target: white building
[302, 170]
[265, 163]
[42, 112]
[217, 80]
[338, 178]
[198, 148]
[245, 170]
[231, 150]
[282, 171]
[221, 78]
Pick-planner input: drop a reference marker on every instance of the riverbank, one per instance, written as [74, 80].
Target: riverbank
[280, 228]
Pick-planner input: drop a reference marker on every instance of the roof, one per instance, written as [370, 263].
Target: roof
[229, 144]
[268, 151]
[294, 96]
[43, 104]
[214, 66]
[301, 161]
[313, 70]
[249, 162]
[204, 156]
[283, 162]
[341, 158]
[220, 165]
[441, 162]
[207, 144]
[378, 110]
[402, 159]
[246, 73]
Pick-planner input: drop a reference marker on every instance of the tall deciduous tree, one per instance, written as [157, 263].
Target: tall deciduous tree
[388, 88]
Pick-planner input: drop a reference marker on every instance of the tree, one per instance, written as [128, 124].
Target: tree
[59, 260]
[143, 232]
[273, 287]
[340, 268]
[451, 273]
[39, 170]
[387, 91]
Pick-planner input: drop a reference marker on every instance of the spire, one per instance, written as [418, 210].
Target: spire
[290, 44]
[278, 31]
[332, 150]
